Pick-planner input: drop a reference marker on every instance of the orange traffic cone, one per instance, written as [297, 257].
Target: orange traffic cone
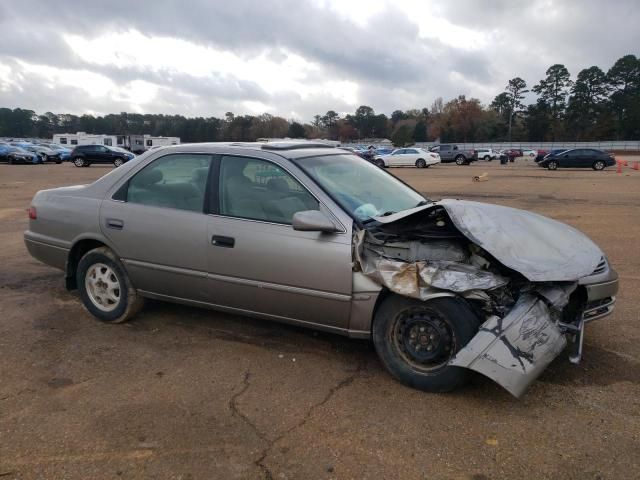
[636, 165]
[619, 169]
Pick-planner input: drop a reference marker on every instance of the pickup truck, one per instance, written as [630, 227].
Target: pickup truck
[451, 153]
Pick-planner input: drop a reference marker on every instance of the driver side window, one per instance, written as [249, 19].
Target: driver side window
[260, 190]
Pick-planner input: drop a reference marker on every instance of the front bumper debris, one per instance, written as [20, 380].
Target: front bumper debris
[514, 350]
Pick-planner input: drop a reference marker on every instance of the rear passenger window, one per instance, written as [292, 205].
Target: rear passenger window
[174, 181]
[260, 190]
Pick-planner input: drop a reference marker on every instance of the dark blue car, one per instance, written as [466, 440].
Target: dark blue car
[578, 158]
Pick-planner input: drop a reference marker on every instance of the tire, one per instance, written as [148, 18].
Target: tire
[379, 162]
[399, 319]
[79, 162]
[487, 158]
[117, 304]
[532, 155]
[58, 162]
[598, 165]
[552, 165]
[118, 162]
[420, 163]
[460, 160]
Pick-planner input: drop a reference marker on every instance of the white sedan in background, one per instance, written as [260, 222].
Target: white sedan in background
[408, 157]
[527, 152]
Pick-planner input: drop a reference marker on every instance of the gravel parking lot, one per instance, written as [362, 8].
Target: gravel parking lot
[183, 393]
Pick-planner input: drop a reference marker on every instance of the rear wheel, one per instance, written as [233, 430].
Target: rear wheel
[598, 165]
[379, 162]
[415, 340]
[79, 162]
[118, 162]
[487, 158]
[420, 163]
[105, 288]
[460, 160]
[552, 165]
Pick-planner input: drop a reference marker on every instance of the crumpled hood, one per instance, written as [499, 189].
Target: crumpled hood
[539, 248]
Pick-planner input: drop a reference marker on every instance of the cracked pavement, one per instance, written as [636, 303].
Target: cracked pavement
[185, 393]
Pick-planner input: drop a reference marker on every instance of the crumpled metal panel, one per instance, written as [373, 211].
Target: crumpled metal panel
[541, 249]
[418, 279]
[513, 351]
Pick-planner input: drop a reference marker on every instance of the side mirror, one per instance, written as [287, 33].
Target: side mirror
[313, 221]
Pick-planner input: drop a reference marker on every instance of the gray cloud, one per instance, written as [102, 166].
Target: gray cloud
[392, 65]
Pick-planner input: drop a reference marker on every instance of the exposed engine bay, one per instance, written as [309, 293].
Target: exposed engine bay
[499, 260]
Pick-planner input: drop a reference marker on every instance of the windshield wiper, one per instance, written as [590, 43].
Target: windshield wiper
[422, 203]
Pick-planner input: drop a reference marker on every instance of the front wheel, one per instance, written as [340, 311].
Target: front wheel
[598, 165]
[79, 162]
[552, 165]
[487, 158]
[379, 162]
[460, 160]
[415, 340]
[105, 288]
[420, 163]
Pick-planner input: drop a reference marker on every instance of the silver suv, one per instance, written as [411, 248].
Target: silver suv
[311, 235]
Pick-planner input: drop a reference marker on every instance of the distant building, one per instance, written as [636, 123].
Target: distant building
[135, 143]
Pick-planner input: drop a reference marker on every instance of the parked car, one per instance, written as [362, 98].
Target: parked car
[512, 154]
[407, 157]
[46, 154]
[314, 236]
[63, 152]
[452, 153]
[4, 149]
[579, 158]
[487, 154]
[527, 152]
[85, 155]
[20, 155]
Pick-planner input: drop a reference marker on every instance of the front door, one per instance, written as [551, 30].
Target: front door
[257, 262]
[157, 225]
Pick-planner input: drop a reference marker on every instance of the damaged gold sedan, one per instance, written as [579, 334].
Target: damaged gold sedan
[307, 234]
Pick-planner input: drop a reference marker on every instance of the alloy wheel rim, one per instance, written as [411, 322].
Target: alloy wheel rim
[103, 287]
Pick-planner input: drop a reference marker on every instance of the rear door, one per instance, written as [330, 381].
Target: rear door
[157, 225]
[410, 157]
[257, 262]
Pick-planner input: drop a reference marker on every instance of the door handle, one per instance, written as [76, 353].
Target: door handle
[219, 241]
[115, 223]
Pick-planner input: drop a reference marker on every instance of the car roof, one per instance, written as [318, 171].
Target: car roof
[291, 150]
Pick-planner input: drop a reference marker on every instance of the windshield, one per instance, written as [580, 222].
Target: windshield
[360, 187]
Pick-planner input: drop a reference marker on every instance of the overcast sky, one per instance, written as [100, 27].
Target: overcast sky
[293, 58]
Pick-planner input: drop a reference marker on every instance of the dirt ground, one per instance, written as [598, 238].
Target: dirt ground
[183, 393]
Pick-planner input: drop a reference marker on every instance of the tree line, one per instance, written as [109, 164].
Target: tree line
[596, 105]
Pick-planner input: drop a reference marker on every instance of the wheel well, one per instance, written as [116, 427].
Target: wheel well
[76, 253]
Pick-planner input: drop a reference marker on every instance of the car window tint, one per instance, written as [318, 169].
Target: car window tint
[411, 151]
[260, 190]
[174, 181]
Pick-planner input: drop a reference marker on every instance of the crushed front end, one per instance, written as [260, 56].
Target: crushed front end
[535, 282]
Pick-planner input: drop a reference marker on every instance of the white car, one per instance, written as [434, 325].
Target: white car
[529, 153]
[487, 154]
[408, 157]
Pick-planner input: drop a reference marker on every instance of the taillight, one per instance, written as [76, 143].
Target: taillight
[33, 215]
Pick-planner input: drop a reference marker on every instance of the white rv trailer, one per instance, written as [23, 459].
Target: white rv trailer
[134, 143]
